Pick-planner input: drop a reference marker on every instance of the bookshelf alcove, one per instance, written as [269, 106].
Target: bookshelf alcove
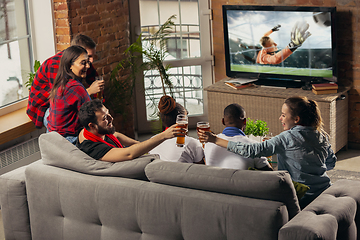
[265, 103]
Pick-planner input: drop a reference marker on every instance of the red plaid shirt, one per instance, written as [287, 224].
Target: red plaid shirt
[64, 109]
[39, 93]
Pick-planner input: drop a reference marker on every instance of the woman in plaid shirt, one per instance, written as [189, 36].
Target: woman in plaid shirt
[38, 102]
[68, 93]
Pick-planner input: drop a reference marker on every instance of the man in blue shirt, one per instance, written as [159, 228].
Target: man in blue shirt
[234, 121]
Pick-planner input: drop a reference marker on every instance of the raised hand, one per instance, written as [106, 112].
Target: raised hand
[173, 131]
[96, 86]
[299, 34]
[206, 136]
[276, 28]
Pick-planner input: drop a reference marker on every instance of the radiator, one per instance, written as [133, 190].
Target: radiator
[19, 155]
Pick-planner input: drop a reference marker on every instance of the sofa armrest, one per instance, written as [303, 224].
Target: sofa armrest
[332, 215]
[14, 206]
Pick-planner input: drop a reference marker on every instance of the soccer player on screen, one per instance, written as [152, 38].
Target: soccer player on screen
[268, 54]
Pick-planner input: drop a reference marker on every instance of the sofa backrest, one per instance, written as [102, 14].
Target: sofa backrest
[268, 185]
[57, 151]
[64, 204]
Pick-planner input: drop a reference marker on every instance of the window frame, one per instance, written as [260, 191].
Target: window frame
[205, 61]
[40, 24]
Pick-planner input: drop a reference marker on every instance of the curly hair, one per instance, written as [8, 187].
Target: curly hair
[87, 112]
[169, 109]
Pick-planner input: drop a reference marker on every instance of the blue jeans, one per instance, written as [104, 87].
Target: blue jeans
[45, 121]
[72, 139]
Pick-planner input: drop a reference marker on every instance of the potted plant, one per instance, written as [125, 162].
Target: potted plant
[31, 75]
[258, 129]
[139, 57]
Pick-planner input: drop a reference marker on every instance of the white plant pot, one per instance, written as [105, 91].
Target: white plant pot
[257, 138]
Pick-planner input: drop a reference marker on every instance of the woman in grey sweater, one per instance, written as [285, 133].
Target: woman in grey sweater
[302, 149]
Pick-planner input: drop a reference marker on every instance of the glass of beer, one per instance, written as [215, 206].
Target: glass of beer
[99, 95]
[205, 126]
[182, 120]
[269, 158]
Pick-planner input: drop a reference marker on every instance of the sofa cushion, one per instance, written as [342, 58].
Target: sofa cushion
[57, 151]
[268, 185]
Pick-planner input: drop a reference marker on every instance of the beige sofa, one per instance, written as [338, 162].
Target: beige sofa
[68, 195]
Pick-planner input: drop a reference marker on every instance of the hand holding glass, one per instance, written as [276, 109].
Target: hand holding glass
[99, 94]
[182, 120]
[205, 126]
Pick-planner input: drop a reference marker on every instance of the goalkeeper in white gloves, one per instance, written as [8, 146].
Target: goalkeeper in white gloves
[299, 34]
[269, 54]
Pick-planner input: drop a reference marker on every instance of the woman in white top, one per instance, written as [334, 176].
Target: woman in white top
[192, 152]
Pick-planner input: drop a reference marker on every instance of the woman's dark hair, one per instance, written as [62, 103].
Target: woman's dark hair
[169, 109]
[307, 110]
[64, 73]
[87, 112]
[170, 118]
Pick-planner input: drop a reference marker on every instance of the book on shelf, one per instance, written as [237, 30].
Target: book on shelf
[237, 86]
[240, 83]
[324, 86]
[326, 91]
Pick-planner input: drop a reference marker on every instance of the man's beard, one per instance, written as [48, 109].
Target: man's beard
[104, 131]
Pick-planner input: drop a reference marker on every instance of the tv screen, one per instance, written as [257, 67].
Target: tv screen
[280, 44]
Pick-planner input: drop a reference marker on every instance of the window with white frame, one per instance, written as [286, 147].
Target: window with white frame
[26, 35]
[15, 50]
[189, 49]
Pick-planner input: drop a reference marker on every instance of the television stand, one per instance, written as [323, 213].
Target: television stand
[265, 104]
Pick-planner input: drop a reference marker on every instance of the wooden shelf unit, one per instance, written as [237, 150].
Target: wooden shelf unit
[265, 103]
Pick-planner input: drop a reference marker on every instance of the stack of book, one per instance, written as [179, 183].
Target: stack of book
[324, 88]
[240, 83]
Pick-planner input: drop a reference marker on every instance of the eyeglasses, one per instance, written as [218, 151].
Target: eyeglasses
[84, 62]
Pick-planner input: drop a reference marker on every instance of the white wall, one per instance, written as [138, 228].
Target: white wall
[42, 28]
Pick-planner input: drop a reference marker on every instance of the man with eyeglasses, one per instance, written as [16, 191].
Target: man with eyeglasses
[38, 102]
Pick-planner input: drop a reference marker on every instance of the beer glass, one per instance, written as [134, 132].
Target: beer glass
[182, 120]
[99, 95]
[205, 126]
[269, 158]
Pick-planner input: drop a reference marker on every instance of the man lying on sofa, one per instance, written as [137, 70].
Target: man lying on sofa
[99, 140]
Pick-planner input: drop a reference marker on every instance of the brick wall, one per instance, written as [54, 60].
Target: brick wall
[107, 23]
[348, 32]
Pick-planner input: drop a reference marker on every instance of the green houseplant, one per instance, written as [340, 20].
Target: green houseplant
[139, 57]
[31, 75]
[256, 128]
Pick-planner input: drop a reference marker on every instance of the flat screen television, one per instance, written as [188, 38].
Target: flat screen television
[313, 60]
